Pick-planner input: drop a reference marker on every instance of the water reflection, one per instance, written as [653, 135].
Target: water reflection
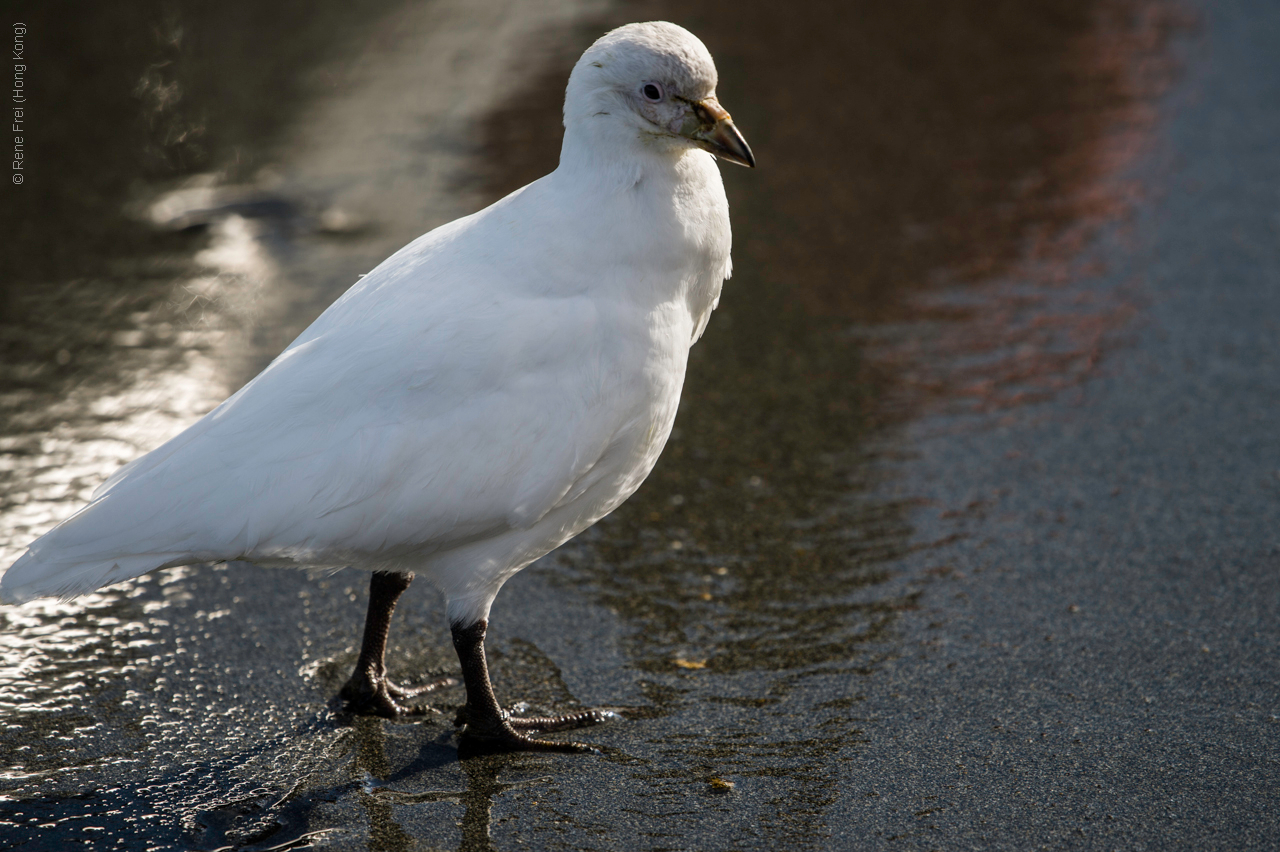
[378, 795]
[413, 789]
[115, 332]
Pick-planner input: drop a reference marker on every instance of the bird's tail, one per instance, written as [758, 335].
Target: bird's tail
[31, 577]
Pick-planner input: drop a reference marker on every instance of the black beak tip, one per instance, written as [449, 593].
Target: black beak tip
[739, 152]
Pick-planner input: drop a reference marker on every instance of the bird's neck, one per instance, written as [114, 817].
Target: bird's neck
[649, 205]
[608, 157]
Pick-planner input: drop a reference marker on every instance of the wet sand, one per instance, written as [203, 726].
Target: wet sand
[967, 534]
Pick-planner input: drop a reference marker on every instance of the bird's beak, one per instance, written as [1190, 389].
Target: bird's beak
[711, 127]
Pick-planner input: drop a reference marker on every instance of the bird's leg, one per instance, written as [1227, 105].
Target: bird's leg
[369, 691]
[494, 727]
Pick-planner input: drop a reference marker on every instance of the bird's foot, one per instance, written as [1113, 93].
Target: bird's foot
[506, 732]
[367, 694]
[567, 722]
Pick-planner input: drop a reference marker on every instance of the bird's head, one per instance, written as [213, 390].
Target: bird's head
[657, 81]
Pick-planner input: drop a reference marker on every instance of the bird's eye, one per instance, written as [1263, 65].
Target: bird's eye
[652, 91]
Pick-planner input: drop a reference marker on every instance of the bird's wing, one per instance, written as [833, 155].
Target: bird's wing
[426, 417]
[469, 435]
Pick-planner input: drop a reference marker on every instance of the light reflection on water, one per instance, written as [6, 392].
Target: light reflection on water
[57, 657]
[168, 372]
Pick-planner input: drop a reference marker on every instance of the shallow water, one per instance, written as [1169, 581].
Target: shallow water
[934, 260]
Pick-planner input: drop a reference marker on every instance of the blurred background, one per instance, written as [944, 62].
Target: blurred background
[966, 535]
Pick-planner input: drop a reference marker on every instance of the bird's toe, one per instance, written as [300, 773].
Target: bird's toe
[366, 695]
[508, 733]
[566, 722]
[508, 739]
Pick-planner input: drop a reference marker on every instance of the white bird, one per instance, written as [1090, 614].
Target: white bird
[482, 396]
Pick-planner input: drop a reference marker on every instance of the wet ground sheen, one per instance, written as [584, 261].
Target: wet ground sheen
[967, 533]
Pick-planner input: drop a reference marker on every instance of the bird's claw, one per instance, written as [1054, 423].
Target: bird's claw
[505, 733]
[366, 694]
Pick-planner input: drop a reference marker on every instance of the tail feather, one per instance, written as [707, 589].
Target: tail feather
[30, 577]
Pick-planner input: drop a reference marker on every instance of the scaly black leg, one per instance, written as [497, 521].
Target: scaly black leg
[369, 691]
[494, 727]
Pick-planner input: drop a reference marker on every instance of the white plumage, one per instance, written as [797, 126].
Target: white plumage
[484, 394]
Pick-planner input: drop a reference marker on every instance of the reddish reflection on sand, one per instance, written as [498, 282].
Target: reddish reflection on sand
[1025, 308]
